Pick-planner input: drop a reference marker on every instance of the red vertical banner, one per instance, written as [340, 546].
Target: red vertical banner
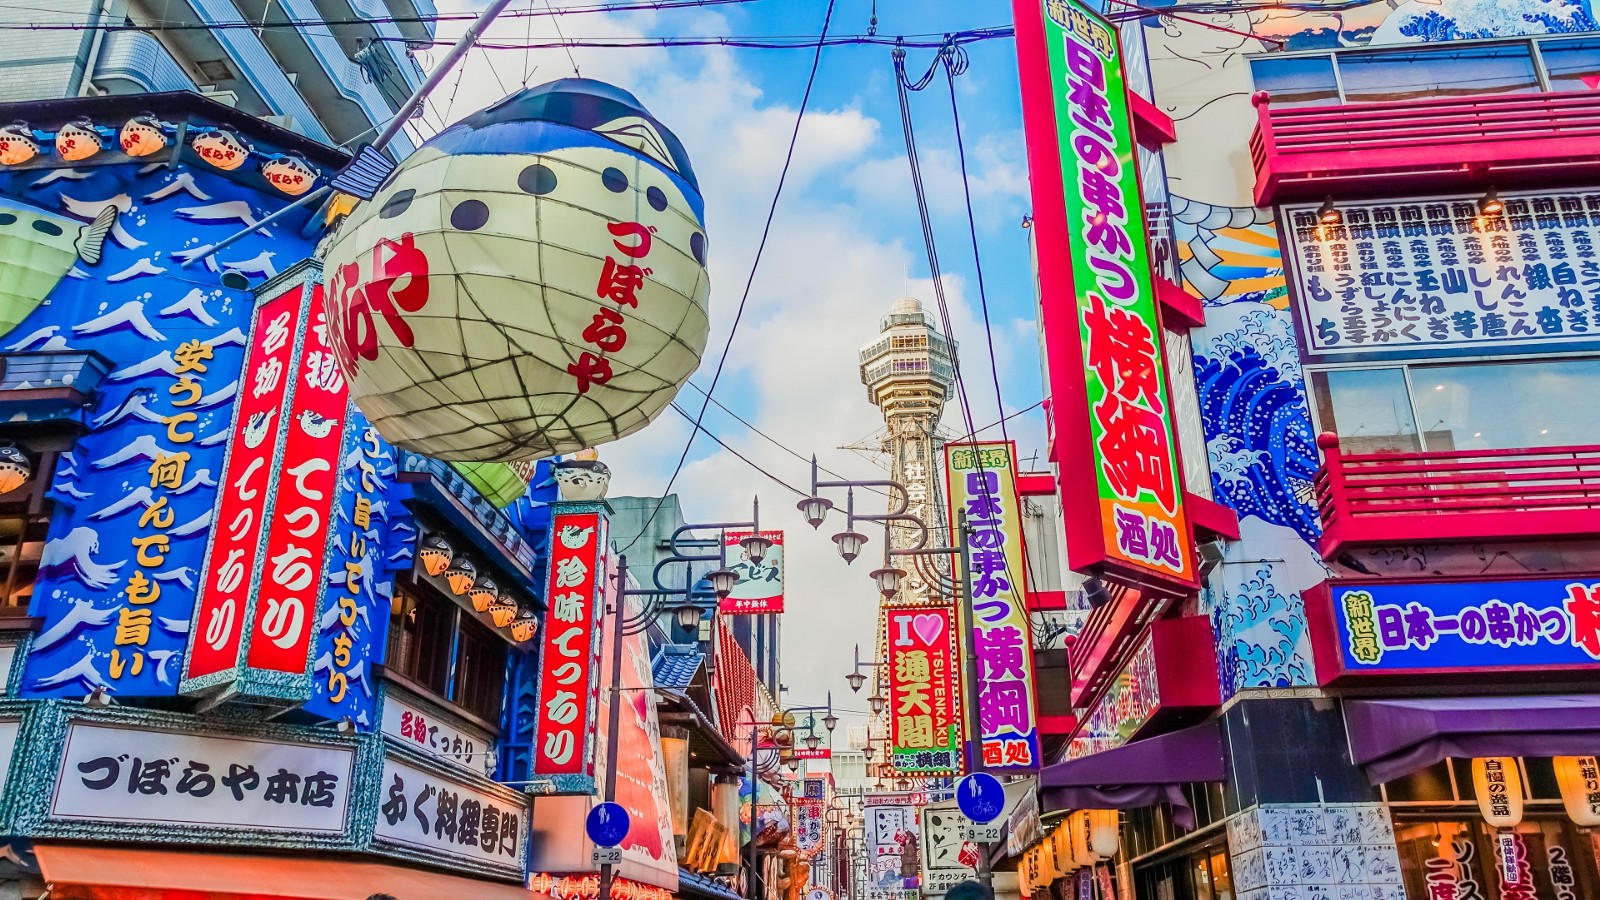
[297, 538]
[568, 707]
[246, 489]
[924, 690]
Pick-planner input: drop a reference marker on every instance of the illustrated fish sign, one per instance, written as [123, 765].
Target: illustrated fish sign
[39, 248]
[532, 281]
[1121, 479]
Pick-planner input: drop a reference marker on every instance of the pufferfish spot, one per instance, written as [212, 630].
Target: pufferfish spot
[537, 179]
[470, 215]
[399, 203]
[614, 180]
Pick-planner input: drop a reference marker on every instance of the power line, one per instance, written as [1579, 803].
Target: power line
[623, 6]
[761, 42]
[745, 459]
[755, 265]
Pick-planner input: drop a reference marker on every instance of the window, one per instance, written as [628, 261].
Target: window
[21, 545]
[1433, 73]
[1297, 80]
[1572, 65]
[1470, 406]
[439, 646]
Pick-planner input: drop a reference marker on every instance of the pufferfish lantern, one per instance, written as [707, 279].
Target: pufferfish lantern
[531, 281]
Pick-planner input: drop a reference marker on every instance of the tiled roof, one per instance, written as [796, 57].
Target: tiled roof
[675, 666]
[691, 884]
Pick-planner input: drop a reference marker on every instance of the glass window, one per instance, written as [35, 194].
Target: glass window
[21, 546]
[480, 670]
[1435, 73]
[1508, 405]
[1296, 80]
[1368, 408]
[1572, 65]
[421, 638]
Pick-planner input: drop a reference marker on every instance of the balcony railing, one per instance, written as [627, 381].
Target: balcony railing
[1407, 146]
[1461, 496]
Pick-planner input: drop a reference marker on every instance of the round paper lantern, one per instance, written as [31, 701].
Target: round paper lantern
[1104, 825]
[531, 281]
[524, 627]
[461, 575]
[289, 174]
[78, 140]
[1082, 855]
[142, 136]
[484, 593]
[1578, 777]
[17, 145]
[1498, 784]
[503, 610]
[14, 468]
[221, 148]
[435, 554]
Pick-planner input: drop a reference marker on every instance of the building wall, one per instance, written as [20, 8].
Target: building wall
[40, 65]
[1257, 422]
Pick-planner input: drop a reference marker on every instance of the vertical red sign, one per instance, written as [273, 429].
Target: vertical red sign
[246, 488]
[568, 685]
[297, 537]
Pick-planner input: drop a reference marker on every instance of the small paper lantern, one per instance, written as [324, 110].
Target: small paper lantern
[17, 145]
[531, 281]
[484, 593]
[1049, 862]
[142, 136]
[503, 610]
[221, 148]
[14, 468]
[435, 555]
[1082, 854]
[1104, 827]
[289, 174]
[1578, 777]
[461, 575]
[78, 140]
[524, 627]
[1498, 784]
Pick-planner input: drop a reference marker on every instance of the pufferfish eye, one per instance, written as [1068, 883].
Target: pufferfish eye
[537, 179]
[614, 180]
[470, 215]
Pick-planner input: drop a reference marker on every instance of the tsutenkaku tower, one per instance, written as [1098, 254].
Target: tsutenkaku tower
[909, 370]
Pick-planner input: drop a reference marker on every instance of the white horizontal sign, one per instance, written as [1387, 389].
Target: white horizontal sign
[435, 736]
[122, 774]
[447, 819]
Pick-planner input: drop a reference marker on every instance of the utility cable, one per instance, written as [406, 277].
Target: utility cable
[755, 265]
[745, 459]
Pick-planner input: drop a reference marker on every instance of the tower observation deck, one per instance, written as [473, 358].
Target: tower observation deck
[909, 371]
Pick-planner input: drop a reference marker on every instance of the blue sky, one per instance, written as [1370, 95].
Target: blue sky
[846, 243]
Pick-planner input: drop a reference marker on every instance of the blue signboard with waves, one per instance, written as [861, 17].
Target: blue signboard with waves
[99, 250]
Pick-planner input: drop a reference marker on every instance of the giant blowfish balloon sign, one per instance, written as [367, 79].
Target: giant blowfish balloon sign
[531, 281]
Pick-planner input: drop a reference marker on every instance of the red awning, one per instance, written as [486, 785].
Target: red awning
[99, 872]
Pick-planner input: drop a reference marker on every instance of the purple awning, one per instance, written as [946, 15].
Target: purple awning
[1139, 774]
[1393, 738]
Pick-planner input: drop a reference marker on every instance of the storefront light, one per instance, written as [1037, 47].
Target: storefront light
[17, 145]
[142, 135]
[1578, 777]
[78, 140]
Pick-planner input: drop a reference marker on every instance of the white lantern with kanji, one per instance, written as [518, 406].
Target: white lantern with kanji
[531, 281]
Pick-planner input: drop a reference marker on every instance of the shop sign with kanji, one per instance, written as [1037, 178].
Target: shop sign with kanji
[1127, 704]
[1449, 626]
[759, 589]
[1121, 476]
[568, 683]
[924, 690]
[444, 820]
[436, 735]
[126, 775]
[982, 482]
[1434, 276]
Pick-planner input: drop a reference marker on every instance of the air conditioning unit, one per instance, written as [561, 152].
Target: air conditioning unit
[1211, 553]
[226, 98]
[287, 123]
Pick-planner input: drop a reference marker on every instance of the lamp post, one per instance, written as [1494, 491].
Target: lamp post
[781, 723]
[887, 578]
[686, 612]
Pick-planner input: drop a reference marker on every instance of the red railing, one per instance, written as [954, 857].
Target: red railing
[1463, 496]
[1308, 152]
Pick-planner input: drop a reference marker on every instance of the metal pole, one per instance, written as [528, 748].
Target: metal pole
[614, 713]
[974, 721]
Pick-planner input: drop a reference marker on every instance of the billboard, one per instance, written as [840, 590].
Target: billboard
[760, 585]
[579, 579]
[1447, 626]
[982, 482]
[1116, 442]
[1435, 276]
[924, 690]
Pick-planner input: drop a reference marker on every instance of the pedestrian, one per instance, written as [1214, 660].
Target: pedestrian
[966, 890]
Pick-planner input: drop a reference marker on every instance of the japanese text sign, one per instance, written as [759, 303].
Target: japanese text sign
[441, 817]
[1127, 704]
[943, 838]
[259, 599]
[435, 735]
[760, 585]
[983, 485]
[808, 827]
[568, 684]
[1431, 626]
[1115, 436]
[116, 774]
[924, 690]
[1435, 275]
[893, 860]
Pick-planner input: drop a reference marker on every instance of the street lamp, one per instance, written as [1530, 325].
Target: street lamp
[877, 703]
[856, 678]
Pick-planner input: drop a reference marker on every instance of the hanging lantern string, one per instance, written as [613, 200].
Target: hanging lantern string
[755, 265]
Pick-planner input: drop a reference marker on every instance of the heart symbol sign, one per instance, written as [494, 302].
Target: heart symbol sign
[928, 626]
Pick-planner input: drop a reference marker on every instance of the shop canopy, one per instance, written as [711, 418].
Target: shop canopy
[1393, 738]
[99, 872]
[1142, 773]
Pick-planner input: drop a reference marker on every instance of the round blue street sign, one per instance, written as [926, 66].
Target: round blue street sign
[608, 824]
[981, 797]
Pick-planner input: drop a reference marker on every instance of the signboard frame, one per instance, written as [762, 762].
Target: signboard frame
[750, 596]
[907, 633]
[512, 868]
